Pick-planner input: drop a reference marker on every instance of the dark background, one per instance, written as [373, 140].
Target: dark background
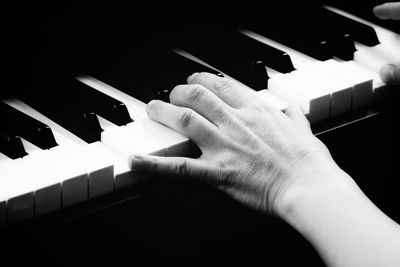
[172, 222]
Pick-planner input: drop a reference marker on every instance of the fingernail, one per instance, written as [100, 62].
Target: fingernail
[191, 77]
[387, 73]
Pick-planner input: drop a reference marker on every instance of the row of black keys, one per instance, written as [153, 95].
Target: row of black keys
[147, 75]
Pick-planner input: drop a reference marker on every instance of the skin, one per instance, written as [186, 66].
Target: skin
[390, 73]
[271, 161]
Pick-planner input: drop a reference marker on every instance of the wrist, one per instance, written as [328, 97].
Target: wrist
[312, 189]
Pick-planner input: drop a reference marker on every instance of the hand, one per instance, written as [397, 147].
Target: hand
[250, 150]
[390, 73]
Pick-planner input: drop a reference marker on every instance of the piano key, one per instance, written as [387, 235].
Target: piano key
[16, 193]
[297, 32]
[387, 38]
[302, 61]
[72, 174]
[61, 135]
[19, 124]
[360, 32]
[358, 76]
[136, 108]
[70, 115]
[340, 91]
[12, 146]
[238, 56]
[335, 31]
[145, 135]
[4, 157]
[299, 59]
[98, 102]
[142, 73]
[296, 89]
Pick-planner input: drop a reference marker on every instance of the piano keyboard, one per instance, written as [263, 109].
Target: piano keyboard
[57, 151]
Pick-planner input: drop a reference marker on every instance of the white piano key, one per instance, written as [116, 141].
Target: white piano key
[43, 181]
[297, 89]
[20, 208]
[100, 170]
[123, 175]
[29, 147]
[360, 78]
[371, 57]
[4, 158]
[175, 143]
[15, 192]
[73, 174]
[136, 139]
[340, 91]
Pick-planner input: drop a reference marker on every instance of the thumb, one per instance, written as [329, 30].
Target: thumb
[388, 11]
[171, 166]
[390, 73]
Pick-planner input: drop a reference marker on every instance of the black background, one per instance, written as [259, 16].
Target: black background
[173, 223]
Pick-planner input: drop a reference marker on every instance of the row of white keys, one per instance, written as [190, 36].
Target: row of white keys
[321, 94]
[64, 175]
[143, 135]
[349, 71]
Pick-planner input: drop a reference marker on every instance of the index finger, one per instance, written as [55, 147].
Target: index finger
[228, 90]
[388, 10]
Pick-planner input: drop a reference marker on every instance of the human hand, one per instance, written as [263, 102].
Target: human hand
[250, 150]
[390, 73]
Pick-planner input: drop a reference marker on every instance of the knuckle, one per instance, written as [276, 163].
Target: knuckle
[223, 84]
[194, 93]
[186, 119]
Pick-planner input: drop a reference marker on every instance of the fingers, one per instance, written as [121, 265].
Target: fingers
[183, 120]
[388, 11]
[171, 166]
[202, 101]
[296, 113]
[390, 74]
[228, 90]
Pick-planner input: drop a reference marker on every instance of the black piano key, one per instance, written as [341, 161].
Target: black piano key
[233, 53]
[359, 31]
[306, 32]
[365, 11]
[297, 37]
[16, 123]
[143, 73]
[12, 146]
[68, 110]
[100, 103]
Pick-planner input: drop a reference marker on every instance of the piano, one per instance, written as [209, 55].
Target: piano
[73, 110]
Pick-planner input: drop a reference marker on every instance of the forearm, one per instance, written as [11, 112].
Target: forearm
[344, 226]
